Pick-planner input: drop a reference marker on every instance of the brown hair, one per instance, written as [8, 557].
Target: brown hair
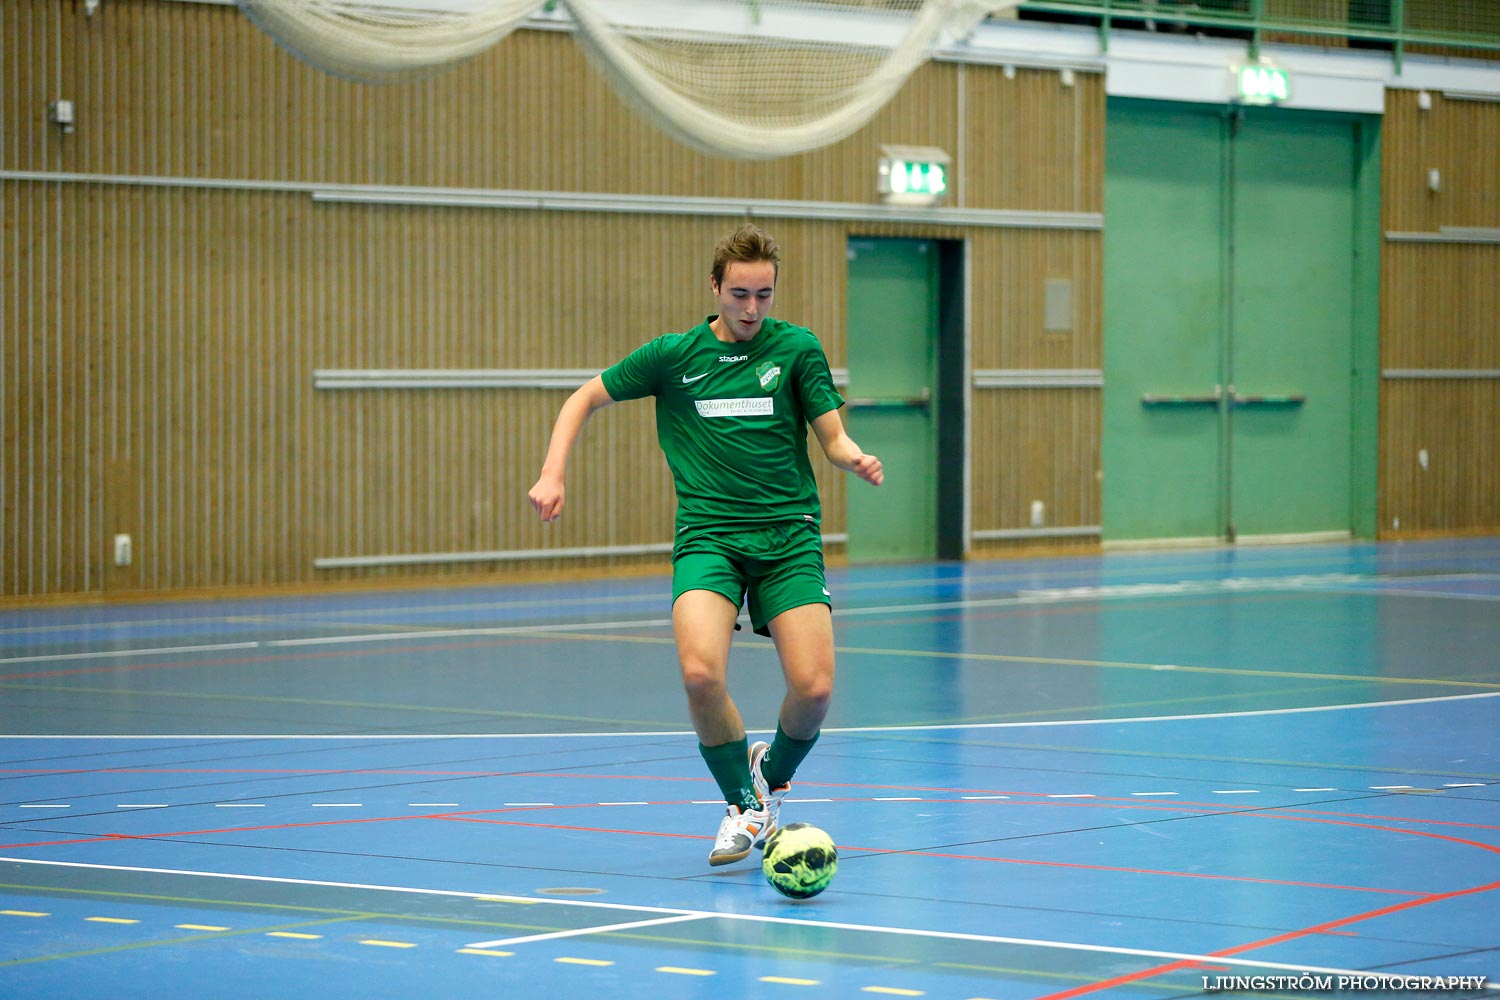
[748, 244]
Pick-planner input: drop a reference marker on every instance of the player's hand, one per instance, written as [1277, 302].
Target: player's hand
[867, 467]
[547, 498]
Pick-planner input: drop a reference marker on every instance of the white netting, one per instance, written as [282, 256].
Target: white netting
[381, 41]
[749, 79]
[756, 79]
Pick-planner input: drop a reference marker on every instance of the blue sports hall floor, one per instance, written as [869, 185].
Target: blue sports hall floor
[1123, 775]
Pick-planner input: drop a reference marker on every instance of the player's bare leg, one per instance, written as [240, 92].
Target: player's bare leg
[804, 642]
[703, 623]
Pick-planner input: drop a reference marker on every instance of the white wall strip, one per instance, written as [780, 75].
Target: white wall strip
[1075, 531]
[499, 555]
[1449, 234]
[471, 378]
[567, 201]
[728, 207]
[1440, 373]
[1472, 95]
[1038, 378]
[451, 378]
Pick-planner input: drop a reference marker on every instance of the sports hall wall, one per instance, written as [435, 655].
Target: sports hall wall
[171, 286]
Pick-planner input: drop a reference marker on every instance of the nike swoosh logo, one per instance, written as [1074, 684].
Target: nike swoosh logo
[686, 380]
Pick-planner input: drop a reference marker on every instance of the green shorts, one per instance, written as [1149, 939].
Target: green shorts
[777, 566]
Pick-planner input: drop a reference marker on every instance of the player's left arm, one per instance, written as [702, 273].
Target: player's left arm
[841, 449]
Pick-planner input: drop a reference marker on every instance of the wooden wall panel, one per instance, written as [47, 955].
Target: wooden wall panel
[1026, 448]
[1012, 268]
[1461, 140]
[195, 90]
[1033, 141]
[160, 339]
[1456, 425]
[1438, 304]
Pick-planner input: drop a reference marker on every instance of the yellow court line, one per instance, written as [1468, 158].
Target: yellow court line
[678, 971]
[170, 942]
[201, 927]
[334, 915]
[786, 981]
[1207, 758]
[294, 935]
[486, 951]
[331, 703]
[1092, 711]
[377, 943]
[894, 991]
[1158, 667]
[23, 913]
[1064, 662]
[110, 920]
[582, 961]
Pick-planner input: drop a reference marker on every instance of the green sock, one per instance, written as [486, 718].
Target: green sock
[782, 760]
[729, 763]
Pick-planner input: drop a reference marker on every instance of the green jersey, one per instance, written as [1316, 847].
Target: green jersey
[732, 419]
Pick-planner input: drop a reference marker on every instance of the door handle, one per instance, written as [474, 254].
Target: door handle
[1266, 399]
[920, 402]
[1203, 399]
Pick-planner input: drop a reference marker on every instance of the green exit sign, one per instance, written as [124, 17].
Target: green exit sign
[1261, 84]
[913, 175]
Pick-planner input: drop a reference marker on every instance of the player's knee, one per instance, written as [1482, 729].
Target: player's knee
[702, 681]
[814, 691]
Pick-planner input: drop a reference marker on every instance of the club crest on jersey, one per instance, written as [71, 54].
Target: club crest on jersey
[770, 375]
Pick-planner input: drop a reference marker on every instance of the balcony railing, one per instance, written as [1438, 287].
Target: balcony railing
[1453, 27]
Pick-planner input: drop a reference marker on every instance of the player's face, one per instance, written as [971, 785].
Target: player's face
[745, 296]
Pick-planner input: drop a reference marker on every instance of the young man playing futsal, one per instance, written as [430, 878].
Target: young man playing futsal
[734, 397]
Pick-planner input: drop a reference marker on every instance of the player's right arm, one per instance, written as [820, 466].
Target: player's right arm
[547, 495]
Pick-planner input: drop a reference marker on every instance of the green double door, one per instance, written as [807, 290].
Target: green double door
[1237, 307]
[890, 403]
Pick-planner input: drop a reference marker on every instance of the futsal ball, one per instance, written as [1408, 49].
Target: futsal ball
[800, 860]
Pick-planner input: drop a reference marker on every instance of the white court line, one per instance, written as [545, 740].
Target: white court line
[448, 633]
[664, 733]
[1322, 583]
[583, 931]
[1434, 553]
[103, 653]
[688, 914]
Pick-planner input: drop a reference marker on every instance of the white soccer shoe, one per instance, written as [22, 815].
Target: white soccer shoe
[738, 831]
[770, 798]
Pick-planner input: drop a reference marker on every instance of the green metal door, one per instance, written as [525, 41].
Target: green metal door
[1163, 323]
[1230, 322]
[1291, 342]
[893, 314]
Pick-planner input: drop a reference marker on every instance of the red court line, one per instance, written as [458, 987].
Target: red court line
[877, 851]
[1323, 928]
[1018, 798]
[479, 817]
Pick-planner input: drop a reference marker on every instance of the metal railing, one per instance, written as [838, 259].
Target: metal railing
[1399, 25]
